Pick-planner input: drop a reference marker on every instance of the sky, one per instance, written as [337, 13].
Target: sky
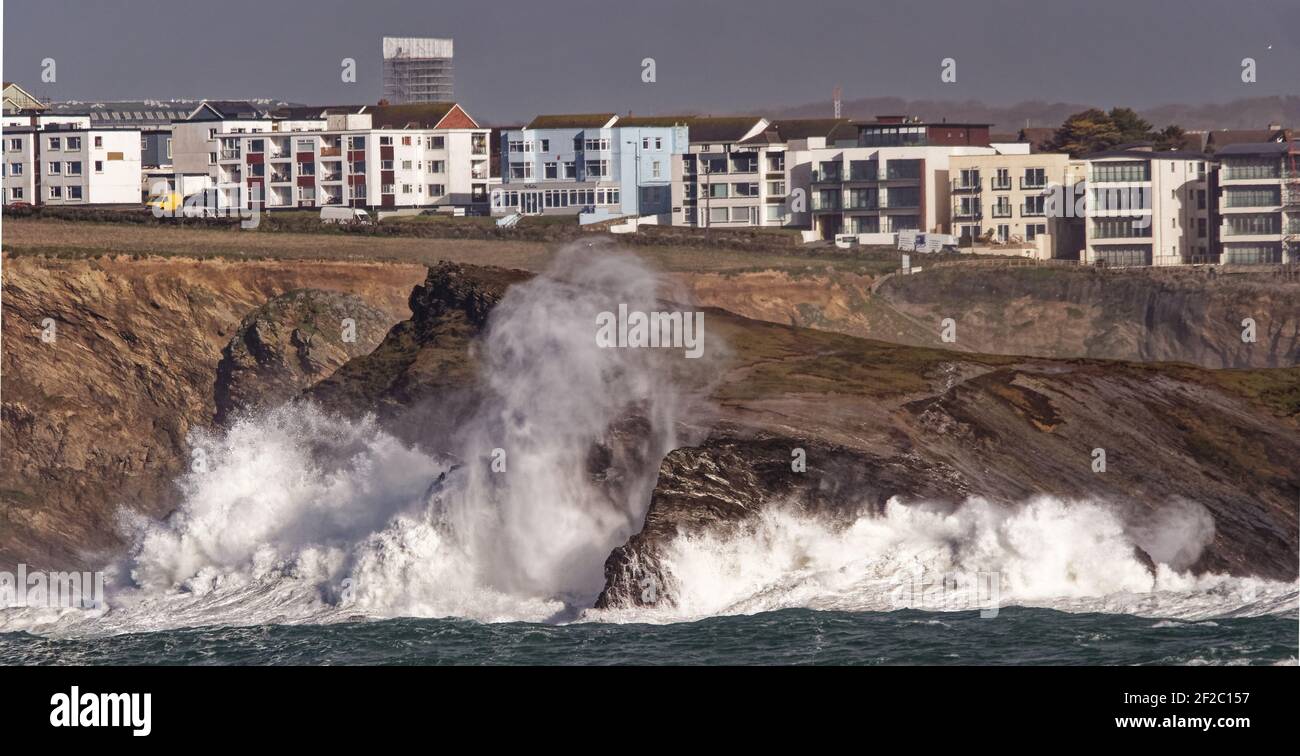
[515, 59]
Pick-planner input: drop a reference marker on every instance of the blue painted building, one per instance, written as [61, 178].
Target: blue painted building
[593, 166]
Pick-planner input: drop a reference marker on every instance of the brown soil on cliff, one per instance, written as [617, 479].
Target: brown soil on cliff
[97, 419]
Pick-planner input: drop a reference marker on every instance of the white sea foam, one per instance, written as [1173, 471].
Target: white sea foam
[303, 517]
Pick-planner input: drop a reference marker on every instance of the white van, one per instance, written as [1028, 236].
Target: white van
[344, 215]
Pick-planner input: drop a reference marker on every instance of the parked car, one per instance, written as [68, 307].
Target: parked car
[350, 215]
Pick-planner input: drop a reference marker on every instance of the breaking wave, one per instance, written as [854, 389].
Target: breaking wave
[298, 516]
[1074, 556]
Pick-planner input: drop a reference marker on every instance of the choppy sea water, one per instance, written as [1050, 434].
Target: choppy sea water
[1017, 636]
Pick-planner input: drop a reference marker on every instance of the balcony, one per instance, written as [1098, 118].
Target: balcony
[281, 178]
[331, 177]
[860, 205]
[1029, 211]
[231, 154]
[1001, 211]
[1033, 183]
[1000, 184]
[825, 204]
[827, 175]
[327, 152]
[968, 214]
[966, 185]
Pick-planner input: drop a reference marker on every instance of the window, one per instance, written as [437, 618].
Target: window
[655, 170]
[74, 193]
[99, 142]
[570, 169]
[169, 148]
[385, 141]
[15, 169]
[385, 165]
[256, 145]
[16, 192]
[406, 189]
[212, 158]
[99, 165]
[718, 215]
[747, 189]
[517, 146]
[597, 168]
[55, 168]
[550, 170]
[776, 188]
[436, 190]
[659, 143]
[597, 144]
[1033, 231]
[56, 192]
[74, 143]
[1118, 171]
[386, 189]
[437, 166]
[306, 169]
[546, 145]
[776, 163]
[306, 194]
[1035, 178]
[15, 145]
[356, 143]
[406, 165]
[55, 143]
[517, 170]
[718, 191]
[72, 168]
[212, 134]
[406, 142]
[775, 212]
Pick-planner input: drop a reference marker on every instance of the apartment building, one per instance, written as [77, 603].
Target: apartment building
[880, 177]
[594, 166]
[1149, 208]
[1259, 202]
[1006, 199]
[422, 156]
[65, 164]
[733, 173]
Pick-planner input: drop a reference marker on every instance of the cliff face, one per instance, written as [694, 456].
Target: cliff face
[1192, 316]
[96, 418]
[101, 420]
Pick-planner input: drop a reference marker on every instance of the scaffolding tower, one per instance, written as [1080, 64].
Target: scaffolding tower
[418, 69]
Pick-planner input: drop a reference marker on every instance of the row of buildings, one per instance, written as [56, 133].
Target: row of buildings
[837, 179]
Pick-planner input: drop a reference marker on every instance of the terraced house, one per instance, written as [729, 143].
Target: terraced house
[1259, 202]
[594, 166]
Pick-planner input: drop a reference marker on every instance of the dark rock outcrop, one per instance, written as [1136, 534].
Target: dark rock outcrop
[290, 343]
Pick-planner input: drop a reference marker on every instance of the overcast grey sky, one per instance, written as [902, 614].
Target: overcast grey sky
[515, 58]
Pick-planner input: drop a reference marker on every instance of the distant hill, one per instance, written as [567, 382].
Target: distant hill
[1246, 113]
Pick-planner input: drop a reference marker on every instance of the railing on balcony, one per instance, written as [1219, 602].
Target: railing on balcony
[1001, 211]
[1000, 184]
[280, 178]
[825, 203]
[331, 151]
[825, 176]
[1031, 211]
[230, 154]
[1033, 183]
[968, 214]
[862, 205]
[331, 177]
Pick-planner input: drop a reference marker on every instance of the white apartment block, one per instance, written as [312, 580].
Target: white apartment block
[1149, 208]
[66, 165]
[1259, 202]
[1005, 199]
[410, 156]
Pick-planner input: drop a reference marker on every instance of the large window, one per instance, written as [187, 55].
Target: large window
[1120, 228]
[1121, 170]
[1252, 168]
[1253, 196]
[1254, 224]
[1121, 255]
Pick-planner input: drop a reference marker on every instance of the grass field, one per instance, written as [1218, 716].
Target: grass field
[63, 238]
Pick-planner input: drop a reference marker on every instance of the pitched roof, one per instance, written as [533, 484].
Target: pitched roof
[1223, 137]
[421, 115]
[573, 121]
[803, 128]
[1258, 148]
[228, 110]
